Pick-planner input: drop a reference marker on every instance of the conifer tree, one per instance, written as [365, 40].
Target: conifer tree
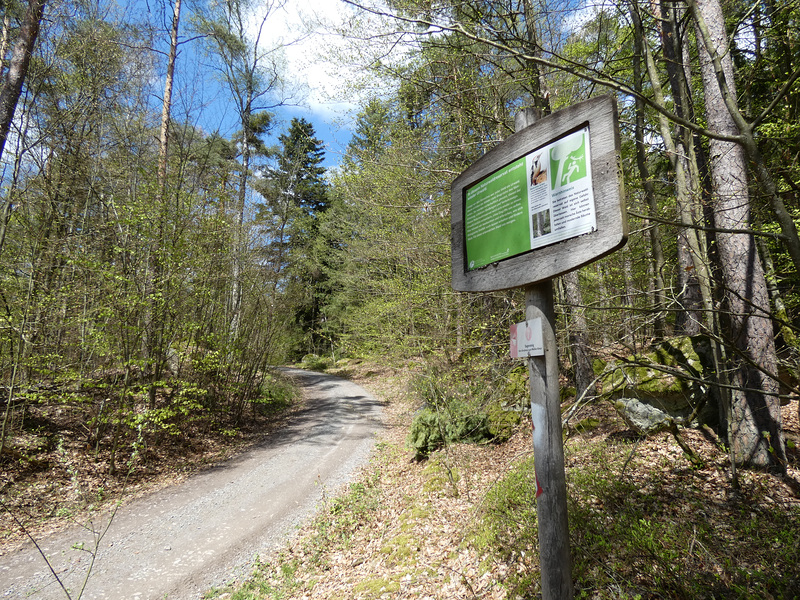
[297, 196]
[300, 168]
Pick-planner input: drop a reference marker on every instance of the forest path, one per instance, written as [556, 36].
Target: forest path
[181, 541]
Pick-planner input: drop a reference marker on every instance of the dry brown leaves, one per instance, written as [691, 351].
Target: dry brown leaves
[417, 543]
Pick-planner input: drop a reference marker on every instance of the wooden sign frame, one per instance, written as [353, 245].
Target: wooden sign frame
[600, 116]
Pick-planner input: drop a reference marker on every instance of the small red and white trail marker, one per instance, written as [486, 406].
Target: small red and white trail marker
[526, 339]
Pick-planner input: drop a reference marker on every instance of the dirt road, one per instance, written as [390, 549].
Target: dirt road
[182, 541]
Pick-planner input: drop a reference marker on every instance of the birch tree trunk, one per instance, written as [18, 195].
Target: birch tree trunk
[689, 320]
[155, 351]
[167, 104]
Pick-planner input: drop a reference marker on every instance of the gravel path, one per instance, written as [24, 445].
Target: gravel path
[182, 541]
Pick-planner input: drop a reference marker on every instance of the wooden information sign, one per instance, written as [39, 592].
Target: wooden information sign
[545, 201]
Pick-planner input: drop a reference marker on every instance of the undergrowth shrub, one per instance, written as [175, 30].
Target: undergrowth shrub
[462, 404]
[431, 430]
[277, 393]
[313, 362]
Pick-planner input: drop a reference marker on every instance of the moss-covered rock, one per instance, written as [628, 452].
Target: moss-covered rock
[675, 378]
[642, 418]
[502, 423]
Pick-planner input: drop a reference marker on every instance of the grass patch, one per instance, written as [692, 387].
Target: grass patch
[655, 534]
[506, 530]
[313, 362]
[400, 550]
[376, 588]
[333, 528]
[343, 516]
[410, 517]
[273, 581]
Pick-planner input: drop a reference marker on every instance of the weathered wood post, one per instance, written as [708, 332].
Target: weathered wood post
[548, 451]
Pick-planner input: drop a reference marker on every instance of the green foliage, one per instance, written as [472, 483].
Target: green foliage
[293, 215]
[268, 582]
[276, 394]
[172, 418]
[388, 224]
[300, 169]
[502, 423]
[431, 430]
[460, 405]
[312, 362]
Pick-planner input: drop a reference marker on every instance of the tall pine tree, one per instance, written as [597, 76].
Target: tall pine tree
[300, 169]
[298, 199]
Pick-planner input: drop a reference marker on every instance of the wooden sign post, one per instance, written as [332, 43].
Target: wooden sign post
[544, 202]
[548, 451]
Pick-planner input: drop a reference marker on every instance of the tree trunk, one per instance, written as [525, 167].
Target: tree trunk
[18, 67]
[694, 248]
[238, 231]
[654, 232]
[4, 43]
[12, 86]
[756, 437]
[578, 339]
[154, 342]
[167, 104]
[719, 72]
[689, 152]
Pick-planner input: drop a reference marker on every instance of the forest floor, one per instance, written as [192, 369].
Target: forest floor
[418, 530]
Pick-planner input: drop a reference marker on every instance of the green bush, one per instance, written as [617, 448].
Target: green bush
[312, 362]
[426, 434]
[431, 429]
[463, 404]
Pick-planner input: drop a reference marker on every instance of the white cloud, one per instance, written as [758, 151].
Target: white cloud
[303, 28]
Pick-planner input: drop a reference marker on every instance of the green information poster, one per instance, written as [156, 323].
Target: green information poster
[496, 220]
[539, 199]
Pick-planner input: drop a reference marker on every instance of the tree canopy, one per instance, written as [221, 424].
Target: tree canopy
[146, 253]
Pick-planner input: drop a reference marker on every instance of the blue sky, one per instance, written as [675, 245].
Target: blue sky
[298, 28]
